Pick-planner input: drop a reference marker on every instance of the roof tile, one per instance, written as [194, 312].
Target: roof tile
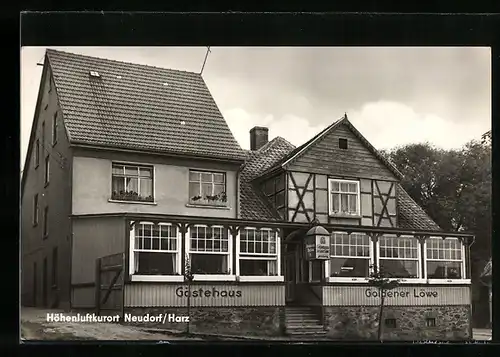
[130, 107]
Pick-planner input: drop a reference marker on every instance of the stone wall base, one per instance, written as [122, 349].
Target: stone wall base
[257, 321]
[412, 322]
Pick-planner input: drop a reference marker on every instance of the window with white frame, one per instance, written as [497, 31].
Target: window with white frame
[156, 249]
[258, 252]
[350, 255]
[132, 182]
[344, 197]
[209, 250]
[399, 257]
[445, 258]
[208, 188]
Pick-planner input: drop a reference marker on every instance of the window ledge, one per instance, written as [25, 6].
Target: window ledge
[207, 206]
[208, 277]
[366, 280]
[133, 202]
[157, 278]
[260, 278]
[340, 215]
[347, 280]
[448, 281]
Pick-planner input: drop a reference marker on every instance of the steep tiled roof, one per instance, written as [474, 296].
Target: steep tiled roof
[411, 215]
[253, 204]
[130, 106]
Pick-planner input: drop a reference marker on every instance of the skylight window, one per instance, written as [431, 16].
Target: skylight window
[94, 74]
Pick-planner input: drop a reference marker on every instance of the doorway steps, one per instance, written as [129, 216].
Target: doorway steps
[303, 321]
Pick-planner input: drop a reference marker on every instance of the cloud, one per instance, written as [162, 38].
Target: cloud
[387, 124]
[295, 129]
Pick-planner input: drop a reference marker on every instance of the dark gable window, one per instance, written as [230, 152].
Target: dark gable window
[343, 144]
[46, 222]
[132, 183]
[207, 188]
[54, 129]
[43, 134]
[37, 153]
[35, 209]
[47, 169]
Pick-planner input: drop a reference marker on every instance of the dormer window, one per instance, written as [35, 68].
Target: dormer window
[95, 74]
[343, 144]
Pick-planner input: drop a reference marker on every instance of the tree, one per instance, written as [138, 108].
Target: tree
[382, 282]
[454, 188]
[188, 278]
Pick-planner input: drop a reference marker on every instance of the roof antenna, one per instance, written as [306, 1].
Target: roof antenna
[208, 50]
[40, 63]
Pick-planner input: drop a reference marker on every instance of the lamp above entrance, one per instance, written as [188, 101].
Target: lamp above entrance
[317, 230]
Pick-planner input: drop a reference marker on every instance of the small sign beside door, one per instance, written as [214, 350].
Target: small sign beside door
[317, 247]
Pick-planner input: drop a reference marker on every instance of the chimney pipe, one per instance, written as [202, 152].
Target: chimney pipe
[258, 137]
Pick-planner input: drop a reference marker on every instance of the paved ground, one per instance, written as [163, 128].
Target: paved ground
[481, 334]
[34, 326]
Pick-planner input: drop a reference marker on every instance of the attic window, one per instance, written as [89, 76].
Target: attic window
[95, 74]
[343, 144]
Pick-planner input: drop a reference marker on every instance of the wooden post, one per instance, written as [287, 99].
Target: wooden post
[124, 259]
[98, 286]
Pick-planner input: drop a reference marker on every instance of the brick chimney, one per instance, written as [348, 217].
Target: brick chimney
[258, 137]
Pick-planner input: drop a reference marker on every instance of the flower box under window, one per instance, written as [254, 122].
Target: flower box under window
[132, 183]
[130, 196]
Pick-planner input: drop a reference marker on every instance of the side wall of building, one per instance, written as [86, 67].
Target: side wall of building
[46, 258]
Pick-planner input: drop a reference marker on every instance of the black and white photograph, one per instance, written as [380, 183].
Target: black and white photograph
[255, 194]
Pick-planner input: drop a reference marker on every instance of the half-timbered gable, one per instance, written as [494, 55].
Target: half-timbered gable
[337, 177]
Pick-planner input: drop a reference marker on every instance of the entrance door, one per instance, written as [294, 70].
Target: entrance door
[44, 283]
[290, 275]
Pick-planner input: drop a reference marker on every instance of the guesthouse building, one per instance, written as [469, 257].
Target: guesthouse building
[134, 183]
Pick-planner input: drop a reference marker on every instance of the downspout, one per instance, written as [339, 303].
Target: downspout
[238, 196]
[469, 271]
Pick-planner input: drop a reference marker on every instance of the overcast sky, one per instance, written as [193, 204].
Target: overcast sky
[394, 96]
